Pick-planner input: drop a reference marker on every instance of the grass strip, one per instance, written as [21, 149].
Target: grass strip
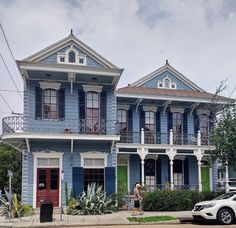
[160, 218]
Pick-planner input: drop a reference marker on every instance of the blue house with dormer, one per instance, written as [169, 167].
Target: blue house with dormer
[79, 128]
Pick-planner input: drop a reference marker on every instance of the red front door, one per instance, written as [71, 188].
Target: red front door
[48, 186]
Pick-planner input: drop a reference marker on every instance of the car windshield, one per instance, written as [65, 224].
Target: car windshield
[225, 196]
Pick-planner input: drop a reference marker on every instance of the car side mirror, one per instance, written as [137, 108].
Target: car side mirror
[234, 199]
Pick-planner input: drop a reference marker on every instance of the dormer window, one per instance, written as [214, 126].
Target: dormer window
[166, 83]
[71, 57]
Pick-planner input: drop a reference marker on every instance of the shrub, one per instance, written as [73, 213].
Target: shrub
[92, 202]
[167, 200]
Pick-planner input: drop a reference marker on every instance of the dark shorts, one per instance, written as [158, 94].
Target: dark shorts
[136, 204]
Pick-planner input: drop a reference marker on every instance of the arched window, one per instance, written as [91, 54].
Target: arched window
[71, 57]
[50, 109]
[122, 119]
[92, 112]
[167, 83]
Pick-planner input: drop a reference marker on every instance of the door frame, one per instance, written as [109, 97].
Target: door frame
[51, 154]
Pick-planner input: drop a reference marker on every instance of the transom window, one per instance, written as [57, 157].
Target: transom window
[92, 111]
[48, 162]
[94, 162]
[50, 109]
[149, 121]
[122, 119]
[71, 57]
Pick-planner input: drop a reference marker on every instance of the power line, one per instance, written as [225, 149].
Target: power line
[11, 76]
[13, 58]
[9, 90]
[6, 102]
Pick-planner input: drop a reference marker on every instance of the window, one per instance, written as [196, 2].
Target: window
[122, 119]
[93, 175]
[167, 83]
[92, 112]
[177, 127]
[71, 57]
[62, 59]
[48, 162]
[50, 109]
[149, 136]
[204, 128]
[81, 60]
[178, 173]
[94, 162]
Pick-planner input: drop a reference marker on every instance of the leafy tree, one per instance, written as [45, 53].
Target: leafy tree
[10, 159]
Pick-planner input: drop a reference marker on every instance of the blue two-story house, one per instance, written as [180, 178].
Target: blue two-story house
[78, 128]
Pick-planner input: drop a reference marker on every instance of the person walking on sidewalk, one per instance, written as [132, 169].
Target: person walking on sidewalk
[137, 199]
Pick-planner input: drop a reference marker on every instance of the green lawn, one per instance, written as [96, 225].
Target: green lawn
[160, 218]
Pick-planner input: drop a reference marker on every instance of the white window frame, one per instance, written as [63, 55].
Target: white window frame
[43, 154]
[93, 155]
[162, 82]
[77, 57]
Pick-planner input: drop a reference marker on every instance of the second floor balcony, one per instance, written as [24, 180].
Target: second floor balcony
[17, 124]
[169, 138]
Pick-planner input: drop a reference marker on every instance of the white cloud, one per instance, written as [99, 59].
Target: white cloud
[198, 37]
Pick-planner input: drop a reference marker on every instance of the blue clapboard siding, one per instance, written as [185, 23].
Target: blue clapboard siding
[153, 82]
[134, 162]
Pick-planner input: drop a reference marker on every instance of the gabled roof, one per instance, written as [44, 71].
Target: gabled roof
[167, 67]
[169, 94]
[65, 42]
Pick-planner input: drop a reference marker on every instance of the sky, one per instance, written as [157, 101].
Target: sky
[197, 37]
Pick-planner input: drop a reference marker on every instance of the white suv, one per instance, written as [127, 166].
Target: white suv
[222, 209]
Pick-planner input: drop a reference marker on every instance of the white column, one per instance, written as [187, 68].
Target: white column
[199, 176]
[226, 177]
[142, 171]
[171, 175]
[171, 137]
[199, 138]
[142, 136]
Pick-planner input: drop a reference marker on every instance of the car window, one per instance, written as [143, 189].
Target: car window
[225, 196]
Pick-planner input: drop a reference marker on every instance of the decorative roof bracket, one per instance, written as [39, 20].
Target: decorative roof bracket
[138, 103]
[165, 105]
[192, 108]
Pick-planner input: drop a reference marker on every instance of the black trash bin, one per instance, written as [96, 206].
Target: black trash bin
[46, 211]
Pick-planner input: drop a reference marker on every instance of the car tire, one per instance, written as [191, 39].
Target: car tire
[225, 216]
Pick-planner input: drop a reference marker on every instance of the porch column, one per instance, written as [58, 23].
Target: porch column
[226, 177]
[142, 171]
[171, 175]
[199, 176]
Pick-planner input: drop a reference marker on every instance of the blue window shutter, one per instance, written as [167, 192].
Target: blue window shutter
[38, 102]
[186, 172]
[103, 110]
[158, 122]
[196, 123]
[130, 120]
[110, 180]
[77, 180]
[185, 127]
[61, 103]
[168, 169]
[81, 104]
[142, 119]
[170, 121]
[158, 170]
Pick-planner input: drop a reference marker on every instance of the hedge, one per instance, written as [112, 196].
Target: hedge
[167, 200]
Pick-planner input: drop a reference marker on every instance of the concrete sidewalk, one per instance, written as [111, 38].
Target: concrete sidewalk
[117, 218]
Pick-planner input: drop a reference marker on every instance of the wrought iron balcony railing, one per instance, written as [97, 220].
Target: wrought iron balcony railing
[68, 126]
[184, 139]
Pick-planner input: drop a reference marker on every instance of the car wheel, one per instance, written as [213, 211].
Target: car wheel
[225, 216]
